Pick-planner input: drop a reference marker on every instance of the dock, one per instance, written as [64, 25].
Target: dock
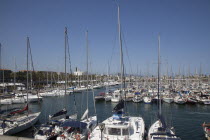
[3, 137]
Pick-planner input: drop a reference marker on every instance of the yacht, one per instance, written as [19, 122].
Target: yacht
[137, 98]
[168, 99]
[21, 119]
[159, 129]
[120, 126]
[147, 100]
[116, 96]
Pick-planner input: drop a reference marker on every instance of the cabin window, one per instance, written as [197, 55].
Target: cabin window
[114, 131]
[125, 132]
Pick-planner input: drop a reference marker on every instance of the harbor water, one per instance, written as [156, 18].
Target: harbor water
[186, 119]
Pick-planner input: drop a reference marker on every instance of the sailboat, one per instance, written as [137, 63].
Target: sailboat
[21, 119]
[159, 129]
[120, 126]
[54, 127]
[79, 129]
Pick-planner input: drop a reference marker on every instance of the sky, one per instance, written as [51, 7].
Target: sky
[183, 25]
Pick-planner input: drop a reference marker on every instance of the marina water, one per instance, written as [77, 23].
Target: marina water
[186, 119]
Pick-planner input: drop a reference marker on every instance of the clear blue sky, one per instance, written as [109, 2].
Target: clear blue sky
[184, 26]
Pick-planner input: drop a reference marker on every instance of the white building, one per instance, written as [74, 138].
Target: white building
[79, 73]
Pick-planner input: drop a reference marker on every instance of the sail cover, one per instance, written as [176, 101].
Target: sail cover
[75, 124]
[119, 106]
[62, 112]
[19, 111]
[137, 93]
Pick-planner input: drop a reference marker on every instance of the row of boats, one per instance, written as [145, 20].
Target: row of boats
[146, 97]
[20, 97]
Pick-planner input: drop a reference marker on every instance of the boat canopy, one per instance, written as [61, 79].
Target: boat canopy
[75, 124]
[186, 92]
[117, 115]
[137, 93]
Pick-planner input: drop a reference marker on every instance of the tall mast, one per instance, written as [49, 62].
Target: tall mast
[27, 69]
[121, 51]
[65, 59]
[31, 80]
[87, 67]
[159, 101]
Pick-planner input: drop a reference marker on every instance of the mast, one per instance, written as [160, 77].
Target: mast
[31, 80]
[27, 69]
[159, 101]
[65, 59]
[121, 51]
[87, 68]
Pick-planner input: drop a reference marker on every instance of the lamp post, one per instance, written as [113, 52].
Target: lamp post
[101, 127]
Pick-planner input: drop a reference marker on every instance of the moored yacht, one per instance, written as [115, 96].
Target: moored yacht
[147, 100]
[20, 119]
[179, 100]
[116, 96]
[168, 99]
[120, 127]
[191, 100]
[5, 101]
[159, 129]
[137, 98]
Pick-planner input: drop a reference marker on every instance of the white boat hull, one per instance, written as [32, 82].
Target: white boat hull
[108, 98]
[25, 122]
[6, 101]
[147, 100]
[18, 100]
[168, 100]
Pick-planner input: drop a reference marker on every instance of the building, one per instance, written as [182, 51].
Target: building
[78, 72]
